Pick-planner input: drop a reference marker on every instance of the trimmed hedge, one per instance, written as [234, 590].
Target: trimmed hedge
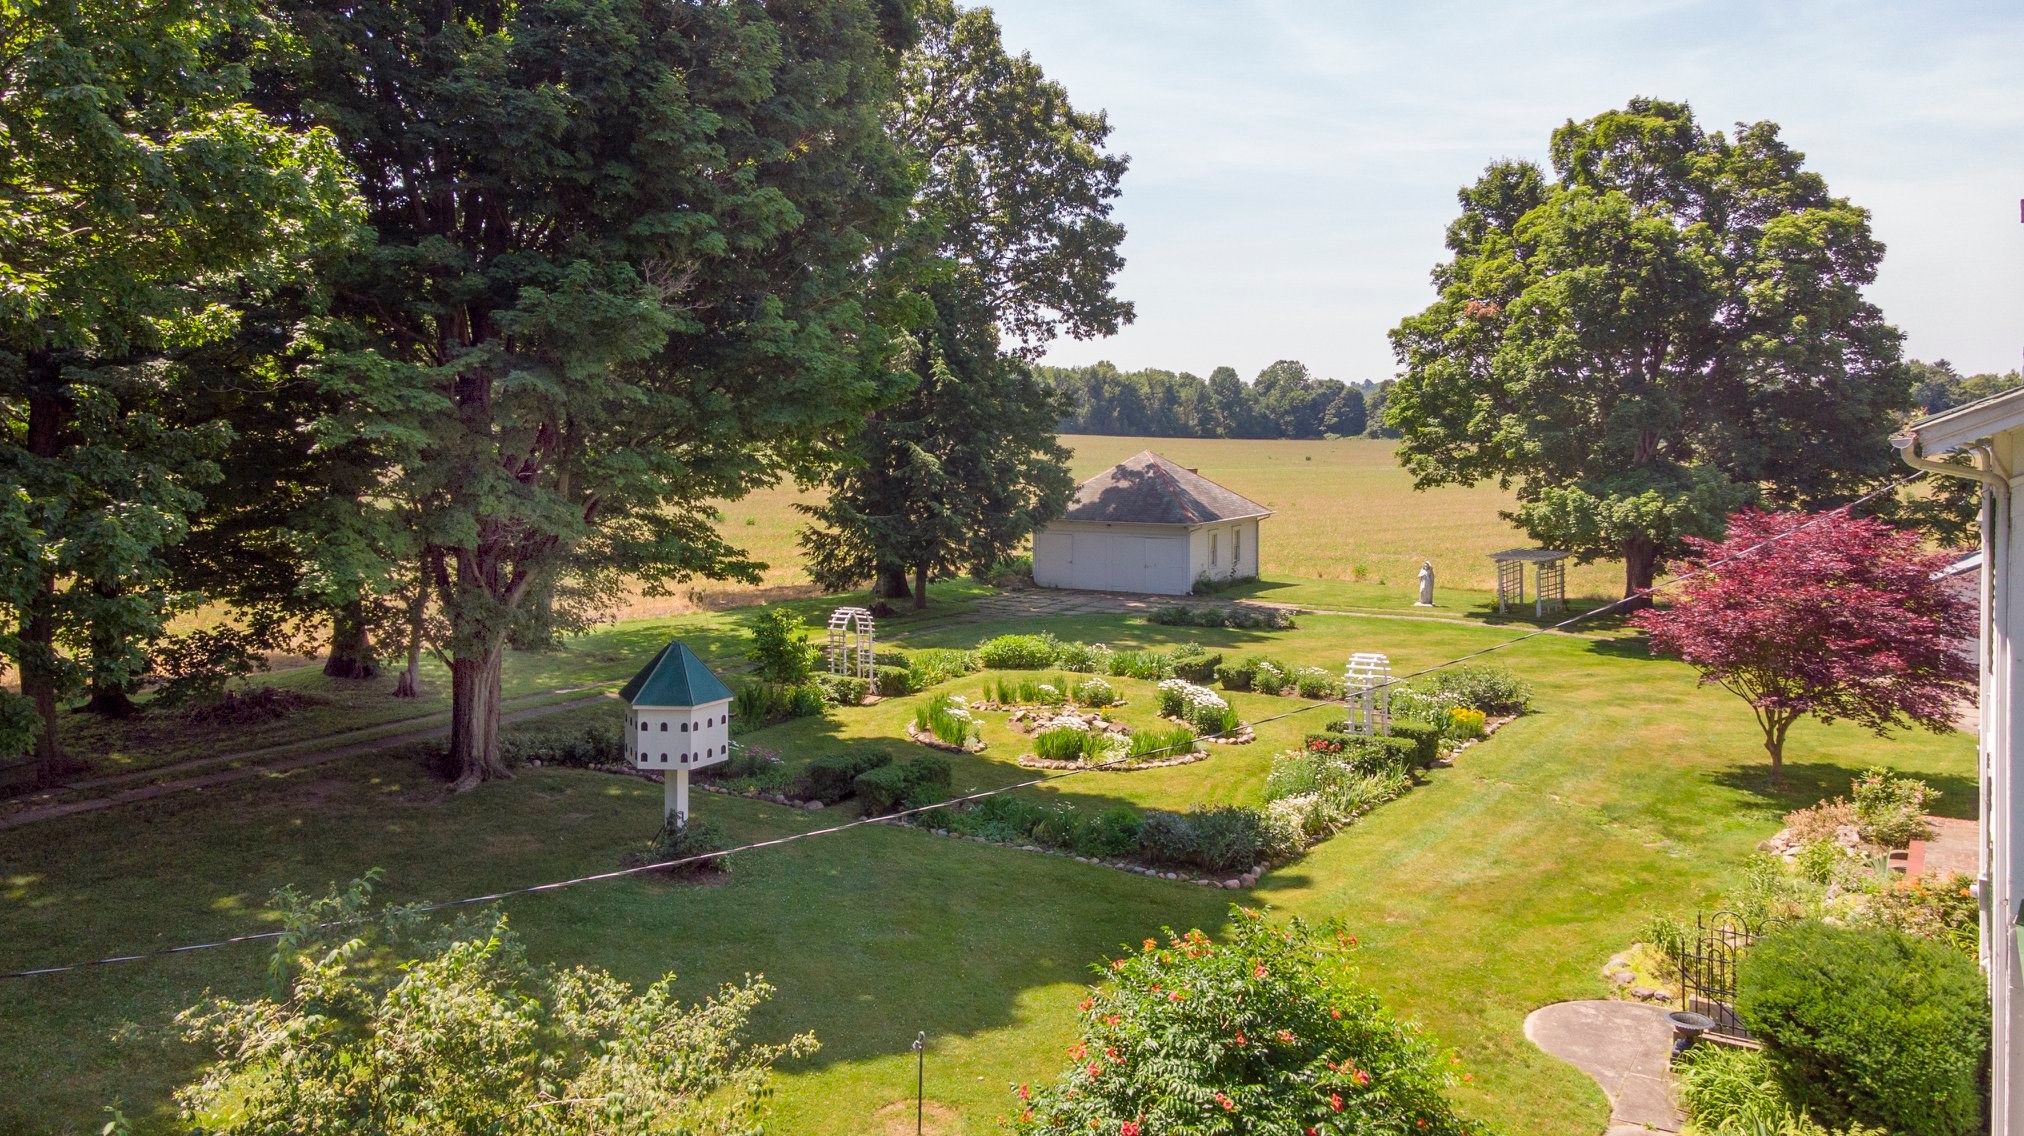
[843, 690]
[1019, 652]
[1366, 753]
[1217, 838]
[1870, 1025]
[832, 778]
[920, 780]
[893, 681]
[1425, 738]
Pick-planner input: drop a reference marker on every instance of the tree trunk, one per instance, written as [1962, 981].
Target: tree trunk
[351, 653]
[1774, 744]
[891, 583]
[474, 717]
[410, 683]
[1640, 566]
[39, 663]
[110, 685]
[534, 623]
[920, 587]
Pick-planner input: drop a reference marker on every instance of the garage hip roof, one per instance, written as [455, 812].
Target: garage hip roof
[1147, 489]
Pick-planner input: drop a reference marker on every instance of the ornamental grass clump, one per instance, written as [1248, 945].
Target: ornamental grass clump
[1157, 743]
[1149, 665]
[1266, 1031]
[932, 665]
[1063, 742]
[947, 718]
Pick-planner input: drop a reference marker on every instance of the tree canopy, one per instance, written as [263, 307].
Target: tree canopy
[1009, 244]
[1667, 327]
[1285, 401]
[144, 209]
[624, 264]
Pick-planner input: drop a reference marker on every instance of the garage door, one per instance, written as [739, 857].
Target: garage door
[1110, 562]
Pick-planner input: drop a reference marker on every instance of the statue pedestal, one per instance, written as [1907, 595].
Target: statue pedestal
[1424, 604]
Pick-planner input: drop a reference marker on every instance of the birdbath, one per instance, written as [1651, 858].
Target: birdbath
[1687, 1029]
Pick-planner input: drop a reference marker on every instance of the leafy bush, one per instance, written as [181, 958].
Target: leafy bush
[1268, 677]
[1250, 617]
[1266, 1031]
[1425, 738]
[1313, 682]
[581, 746]
[932, 665]
[1363, 751]
[1186, 615]
[805, 700]
[843, 690]
[1891, 810]
[1870, 1025]
[1198, 706]
[1236, 676]
[1084, 658]
[1943, 910]
[1095, 693]
[680, 842]
[1112, 832]
[947, 718]
[1005, 818]
[1216, 838]
[1149, 665]
[1491, 689]
[890, 657]
[919, 780]
[1244, 617]
[761, 702]
[893, 681]
[459, 1024]
[1019, 652]
[833, 778]
[780, 651]
[1195, 663]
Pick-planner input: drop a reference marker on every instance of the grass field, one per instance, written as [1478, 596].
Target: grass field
[1501, 884]
[1345, 512]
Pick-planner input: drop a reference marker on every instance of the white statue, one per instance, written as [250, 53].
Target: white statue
[1426, 584]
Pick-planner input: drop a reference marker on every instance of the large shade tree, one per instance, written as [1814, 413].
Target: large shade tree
[622, 267]
[1667, 327]
[1827, 615]
[1010, 242]
[144, 208]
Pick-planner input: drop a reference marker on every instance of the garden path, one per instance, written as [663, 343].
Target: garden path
[1625, 1046]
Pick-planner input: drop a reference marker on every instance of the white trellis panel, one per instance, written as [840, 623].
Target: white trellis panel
[853, 644]
[1366, 686]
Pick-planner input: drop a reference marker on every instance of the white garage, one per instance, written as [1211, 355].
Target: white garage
[1148, 525]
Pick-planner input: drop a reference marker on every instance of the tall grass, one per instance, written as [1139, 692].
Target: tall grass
[947, 719]
[1160, 742]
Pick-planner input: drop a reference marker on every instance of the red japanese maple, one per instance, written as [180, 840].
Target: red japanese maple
[1839, 619]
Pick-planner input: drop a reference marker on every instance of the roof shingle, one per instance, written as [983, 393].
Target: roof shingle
[1147, 489]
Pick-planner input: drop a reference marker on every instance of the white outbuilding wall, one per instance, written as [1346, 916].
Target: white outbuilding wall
[1227, 550]
[678, 737]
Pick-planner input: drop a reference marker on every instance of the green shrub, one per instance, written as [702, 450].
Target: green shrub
[1019, 652]
[580, 746]
[843, 690]
[1186, 615]
[947, 719]
[1491, 689]
[1267, 677]
[1095, 693]
[1189, 1036]
[1870, 1025]
[1425, 738]
[805, 700]
[1005, 818]
[1112, 832]
[893, 682]
[1216, 838]
[919, 780]
[1891, 810]
[934, 665]
[1365, 752]
[1237, 675]
[890, 657]
[746, 761]
[758, 703]
[1464, 722]
[830, 779]
[1250, 617]
[696, 838]
[1725, 1090]
[1083, 658]
[780, 651]
[752, 705]
[1193, 662]
[1313, 682]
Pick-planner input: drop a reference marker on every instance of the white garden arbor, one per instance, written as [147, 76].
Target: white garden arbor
[853, 645]
[1549, 576]
[1366, 687]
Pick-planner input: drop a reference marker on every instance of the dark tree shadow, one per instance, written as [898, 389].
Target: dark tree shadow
[1808, 783]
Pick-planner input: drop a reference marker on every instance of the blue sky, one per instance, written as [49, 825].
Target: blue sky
[1294, 164]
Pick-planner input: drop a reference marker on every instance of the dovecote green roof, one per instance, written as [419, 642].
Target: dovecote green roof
[675, 677]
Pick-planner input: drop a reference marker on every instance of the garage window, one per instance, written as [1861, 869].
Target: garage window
[1236, 548]
[1212, 549]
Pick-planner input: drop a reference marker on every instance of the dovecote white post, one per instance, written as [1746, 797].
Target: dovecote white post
[678, 719]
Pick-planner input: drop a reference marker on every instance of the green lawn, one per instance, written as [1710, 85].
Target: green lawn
[1501, 884]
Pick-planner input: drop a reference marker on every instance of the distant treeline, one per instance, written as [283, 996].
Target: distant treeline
[1284, 401]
